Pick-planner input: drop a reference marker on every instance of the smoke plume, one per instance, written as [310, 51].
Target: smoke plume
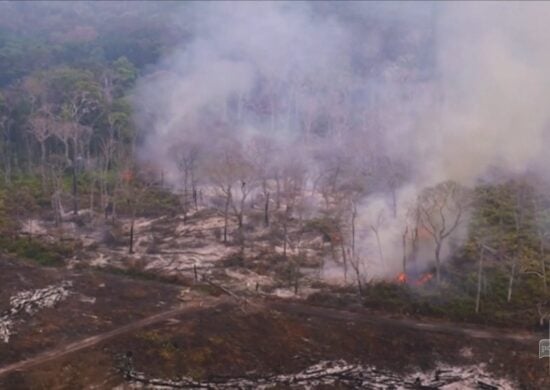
[443, 91]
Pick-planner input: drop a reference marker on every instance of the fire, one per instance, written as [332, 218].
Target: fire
[424, 279]
[402, 278]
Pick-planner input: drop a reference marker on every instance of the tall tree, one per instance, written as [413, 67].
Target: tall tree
[441, 209]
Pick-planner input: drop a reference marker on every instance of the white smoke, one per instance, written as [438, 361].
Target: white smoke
[452, 90]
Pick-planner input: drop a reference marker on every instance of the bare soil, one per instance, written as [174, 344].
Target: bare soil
[275, 337]
[196, 330]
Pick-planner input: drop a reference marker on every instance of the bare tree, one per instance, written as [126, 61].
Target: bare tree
[375, 227]
[187, 156]
[7, 121]
[41, 125]
[410, 234]
[108, 149]
[72, 132]
[261, 151]
[134, 186]
[441, 209]
[56, 166]
[227, 170]
[293, 175]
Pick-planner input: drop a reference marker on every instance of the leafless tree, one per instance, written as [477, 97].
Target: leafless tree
[227, 170]
[441, 209]
[410, 235]
[56, 165]
[187, 154]
[134, 184]
[293, 175]
[261, 152]
[375, 227]
[72, 132]
[41, 126]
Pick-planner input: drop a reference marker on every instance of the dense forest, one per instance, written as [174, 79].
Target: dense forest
[66, 78]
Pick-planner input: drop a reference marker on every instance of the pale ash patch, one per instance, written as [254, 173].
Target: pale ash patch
[30, 302]
[329, 373]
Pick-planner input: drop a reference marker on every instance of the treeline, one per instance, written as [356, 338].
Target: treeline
[66, 75]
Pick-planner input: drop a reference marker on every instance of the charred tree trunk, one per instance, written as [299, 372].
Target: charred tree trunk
[56, 205]
[354, 260]
[511, 280]
[43, 163]
[194, 189]
[414, 246]
[226, 213]
[131, 246]
[438, 263]
[28, 166]
[278, 193]
[356, 268]
[92, 185]
[285, 231]
[394, 200]
[404, 244]
[75, 190]
[379, 244]
[240, 214]
[266, 210]
[113, 208]
[344, 257]
[296, 278]
[195, 200]
[185, 190]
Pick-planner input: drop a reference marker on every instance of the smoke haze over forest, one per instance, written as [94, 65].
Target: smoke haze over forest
[372, 101]
[450, 91]
[248, 194]
[429, 83]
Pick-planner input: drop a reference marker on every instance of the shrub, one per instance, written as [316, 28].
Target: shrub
[46, 254]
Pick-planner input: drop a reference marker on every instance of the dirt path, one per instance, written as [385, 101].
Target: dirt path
[278, 305]
[378, 319]
[94, 340]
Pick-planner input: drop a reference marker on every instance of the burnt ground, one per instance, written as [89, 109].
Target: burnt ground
[113, 315]
[276, 337]
[97, 302]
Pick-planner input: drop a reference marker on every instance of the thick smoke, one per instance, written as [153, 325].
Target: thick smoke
[397, 96]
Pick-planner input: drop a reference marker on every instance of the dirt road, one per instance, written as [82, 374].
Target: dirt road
[94, 340]
[278, 305]
[439, 327]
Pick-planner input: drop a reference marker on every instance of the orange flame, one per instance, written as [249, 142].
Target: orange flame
[424, 279]
[402, 278]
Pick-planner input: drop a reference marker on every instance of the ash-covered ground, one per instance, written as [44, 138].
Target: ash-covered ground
[187, 310]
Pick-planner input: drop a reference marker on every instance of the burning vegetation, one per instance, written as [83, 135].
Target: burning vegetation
[423, 279]
[346, 155]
